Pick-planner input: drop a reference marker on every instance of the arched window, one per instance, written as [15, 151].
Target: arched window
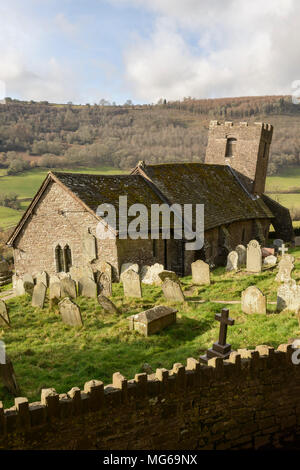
[59, 260]
[230, 147]
[67, 258]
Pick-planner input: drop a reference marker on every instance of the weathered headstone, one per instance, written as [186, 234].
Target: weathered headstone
[79, 272]
[242, 255]
[28, 278]
[28, 284]
[277, 243]
[107, 305]
[288, 296]
[53, 279]
[131, 284]
[68, 288]
[70, 312]
[39, 295]
[19, 287]
[285, 268]
[172, 290]
[149, 274]
[54, 290]
[168, 274]
[297, 241]
[8, 377]
[104, 284]
[89, 247]
[253, 301]
[220, 348]
[283, 250]
[232, 261]
[42, 277]
[200, 273]
[87, 288]
[254, 258]
[128, 266]
[270, 260]
[153, 320]
[4, 317]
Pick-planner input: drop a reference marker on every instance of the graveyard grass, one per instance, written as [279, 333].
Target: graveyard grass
[48, 353]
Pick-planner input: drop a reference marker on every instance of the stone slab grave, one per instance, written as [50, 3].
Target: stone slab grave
[277, 243]
[242, 255]
[172, 290]
[4, 316]
[8, 376]
[79, 272]
[54, 293]
[220, 348]
[131, 284]
[70, 312]
[5, 274]
[19, 287]
[232, 261]
[168, 274]
[200, 273]
[107, 305]
[28, 284]
[270, 260]
[254, 257]
[253, 301]
[126, 267]
[105, 284]
[89, 247]
[288, 296]
[39, 295]
[152, 320]
[68, 288]
[87, 288]
[150, 274]
[297, 241]
[285, 268]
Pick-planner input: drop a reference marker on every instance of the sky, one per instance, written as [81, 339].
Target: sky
[144, 50]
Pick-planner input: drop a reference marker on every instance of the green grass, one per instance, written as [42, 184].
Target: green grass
[289, 178]
[9, 217]
[47, 353]
[288, 200]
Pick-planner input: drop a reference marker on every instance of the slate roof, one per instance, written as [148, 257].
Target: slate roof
[216, 186]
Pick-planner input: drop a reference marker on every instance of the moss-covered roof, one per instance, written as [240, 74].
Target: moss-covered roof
[215, 186]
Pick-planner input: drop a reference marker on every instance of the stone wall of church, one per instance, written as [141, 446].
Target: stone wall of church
[58, 219]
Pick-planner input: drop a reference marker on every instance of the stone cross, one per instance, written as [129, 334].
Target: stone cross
[220, 348]
[283, 249]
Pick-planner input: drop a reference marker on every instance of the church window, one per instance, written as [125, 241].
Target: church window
[63, 258]
[230, 147]
[59, 259]
[67, 258]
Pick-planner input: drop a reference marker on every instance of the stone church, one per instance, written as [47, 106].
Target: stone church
[58, 230]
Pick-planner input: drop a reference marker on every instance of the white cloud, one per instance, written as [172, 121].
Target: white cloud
[238, 48]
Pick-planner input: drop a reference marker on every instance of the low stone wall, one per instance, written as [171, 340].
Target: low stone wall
[250, 400]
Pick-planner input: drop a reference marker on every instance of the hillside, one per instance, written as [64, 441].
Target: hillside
[48, 135]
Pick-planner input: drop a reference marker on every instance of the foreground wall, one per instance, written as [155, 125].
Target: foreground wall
[248, 401]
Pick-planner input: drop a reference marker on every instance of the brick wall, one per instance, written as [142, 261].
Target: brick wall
[248, 401]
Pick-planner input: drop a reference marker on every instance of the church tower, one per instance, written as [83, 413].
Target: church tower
[243, 147]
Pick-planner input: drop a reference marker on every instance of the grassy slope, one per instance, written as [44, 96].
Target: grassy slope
[48, 353]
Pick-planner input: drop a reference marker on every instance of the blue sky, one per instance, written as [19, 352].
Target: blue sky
[144, 50]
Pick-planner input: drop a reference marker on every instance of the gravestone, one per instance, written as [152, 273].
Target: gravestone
[54, 290]
[70, 312]
[200, 273]
[8, 376]
[242, 255]
[68, 288]
[288, 296]
[220, 348]
[19, 287]
[153, 320]
[28, 278]
[104, 283]
[87, 288]
[107, 305]
[79, 272]
[28, 284]
[232, 261]
[131, 284]
[89, 247]
[42, 277]
[53, 279]
[297, 241]
[168, 274]
[253, 301]
[283, 250]
[126, 267]
[106, 268]
[285, 268]
[277, 243]
[149, 274]
[254, 258]
[4, 317]
[270, 260]
[172, 290]
[39, 295]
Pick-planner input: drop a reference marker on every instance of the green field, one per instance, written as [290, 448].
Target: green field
[47, 353]
[289, 178]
